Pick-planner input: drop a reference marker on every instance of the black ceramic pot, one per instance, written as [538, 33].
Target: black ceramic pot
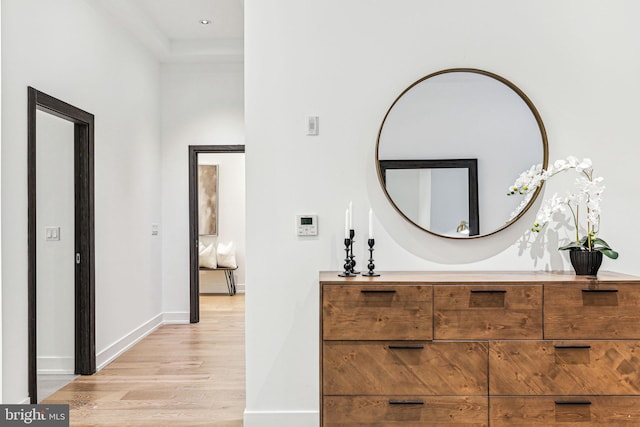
[586, 263]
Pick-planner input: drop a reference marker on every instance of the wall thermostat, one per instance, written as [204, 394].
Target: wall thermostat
[307, 225]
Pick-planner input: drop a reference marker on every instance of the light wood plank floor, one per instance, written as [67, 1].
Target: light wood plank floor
[180, 375]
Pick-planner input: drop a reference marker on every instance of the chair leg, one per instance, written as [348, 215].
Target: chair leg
[229, 281]
[233, 281]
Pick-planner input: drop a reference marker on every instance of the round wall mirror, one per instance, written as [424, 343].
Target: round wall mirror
[450, 146]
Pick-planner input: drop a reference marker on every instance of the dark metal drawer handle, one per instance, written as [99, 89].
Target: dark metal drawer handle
[406, 402]
[407, 347]
[573, 402]
[488, 291]
[572, 346]
[378, 291]
[602, 291]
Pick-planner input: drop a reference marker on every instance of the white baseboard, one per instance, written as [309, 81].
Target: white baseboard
[175, 318]
[219, 288]
[52, 365]
[281, 418]
[109, 354]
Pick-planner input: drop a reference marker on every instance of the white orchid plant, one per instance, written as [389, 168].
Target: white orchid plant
[586, 199]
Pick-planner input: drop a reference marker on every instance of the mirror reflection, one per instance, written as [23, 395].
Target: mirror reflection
[432, 193]
[458, 115]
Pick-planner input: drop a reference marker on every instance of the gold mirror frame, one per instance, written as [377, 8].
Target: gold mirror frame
[525, 99]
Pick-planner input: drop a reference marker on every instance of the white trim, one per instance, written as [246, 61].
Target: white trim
[109, 354]
[175, 318]
[281, 418]
[221, 289]
[56, 365]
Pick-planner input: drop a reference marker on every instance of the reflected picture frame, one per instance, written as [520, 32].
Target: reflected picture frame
[471, 165]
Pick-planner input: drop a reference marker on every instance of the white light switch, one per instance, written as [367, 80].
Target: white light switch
[154, 229]
[52, 233]
[312, 125]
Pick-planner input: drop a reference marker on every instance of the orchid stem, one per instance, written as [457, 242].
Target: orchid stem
[575, 220]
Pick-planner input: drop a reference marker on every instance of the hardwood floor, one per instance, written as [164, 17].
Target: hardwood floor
[180, 375]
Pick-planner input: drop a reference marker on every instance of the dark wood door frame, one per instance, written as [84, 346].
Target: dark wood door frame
[85, 348]
[194, 282]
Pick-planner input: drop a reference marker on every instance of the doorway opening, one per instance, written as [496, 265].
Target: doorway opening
[211, 232]
[82, 257]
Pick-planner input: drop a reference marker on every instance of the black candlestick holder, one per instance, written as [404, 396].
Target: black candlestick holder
[352, 257]
[371, 266]
[348, 269]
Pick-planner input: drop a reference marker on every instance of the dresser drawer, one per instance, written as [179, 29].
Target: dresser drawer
[404, 368]
[556, 368]
[595, 311]
[604, 411]
[483, 312]
[397, 411]
[377, 312]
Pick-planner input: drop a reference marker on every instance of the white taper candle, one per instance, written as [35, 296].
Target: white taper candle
[346, 224]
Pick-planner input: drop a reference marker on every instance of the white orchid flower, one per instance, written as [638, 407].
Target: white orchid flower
[573, 161]
[587, 197]
[584, 165]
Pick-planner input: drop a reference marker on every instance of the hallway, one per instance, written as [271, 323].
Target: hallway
[180, 375]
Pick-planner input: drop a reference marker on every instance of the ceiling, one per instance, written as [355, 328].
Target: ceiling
[172, 31]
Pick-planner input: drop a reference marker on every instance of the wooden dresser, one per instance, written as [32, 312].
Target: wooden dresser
[504, 349]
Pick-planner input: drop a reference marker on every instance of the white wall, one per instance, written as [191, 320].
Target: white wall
[55, 272]
[201, 104]
[450, 200]
[231, 216]
[70, 50]
[347, 62]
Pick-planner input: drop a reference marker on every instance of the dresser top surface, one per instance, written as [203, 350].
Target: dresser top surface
[475, 277]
